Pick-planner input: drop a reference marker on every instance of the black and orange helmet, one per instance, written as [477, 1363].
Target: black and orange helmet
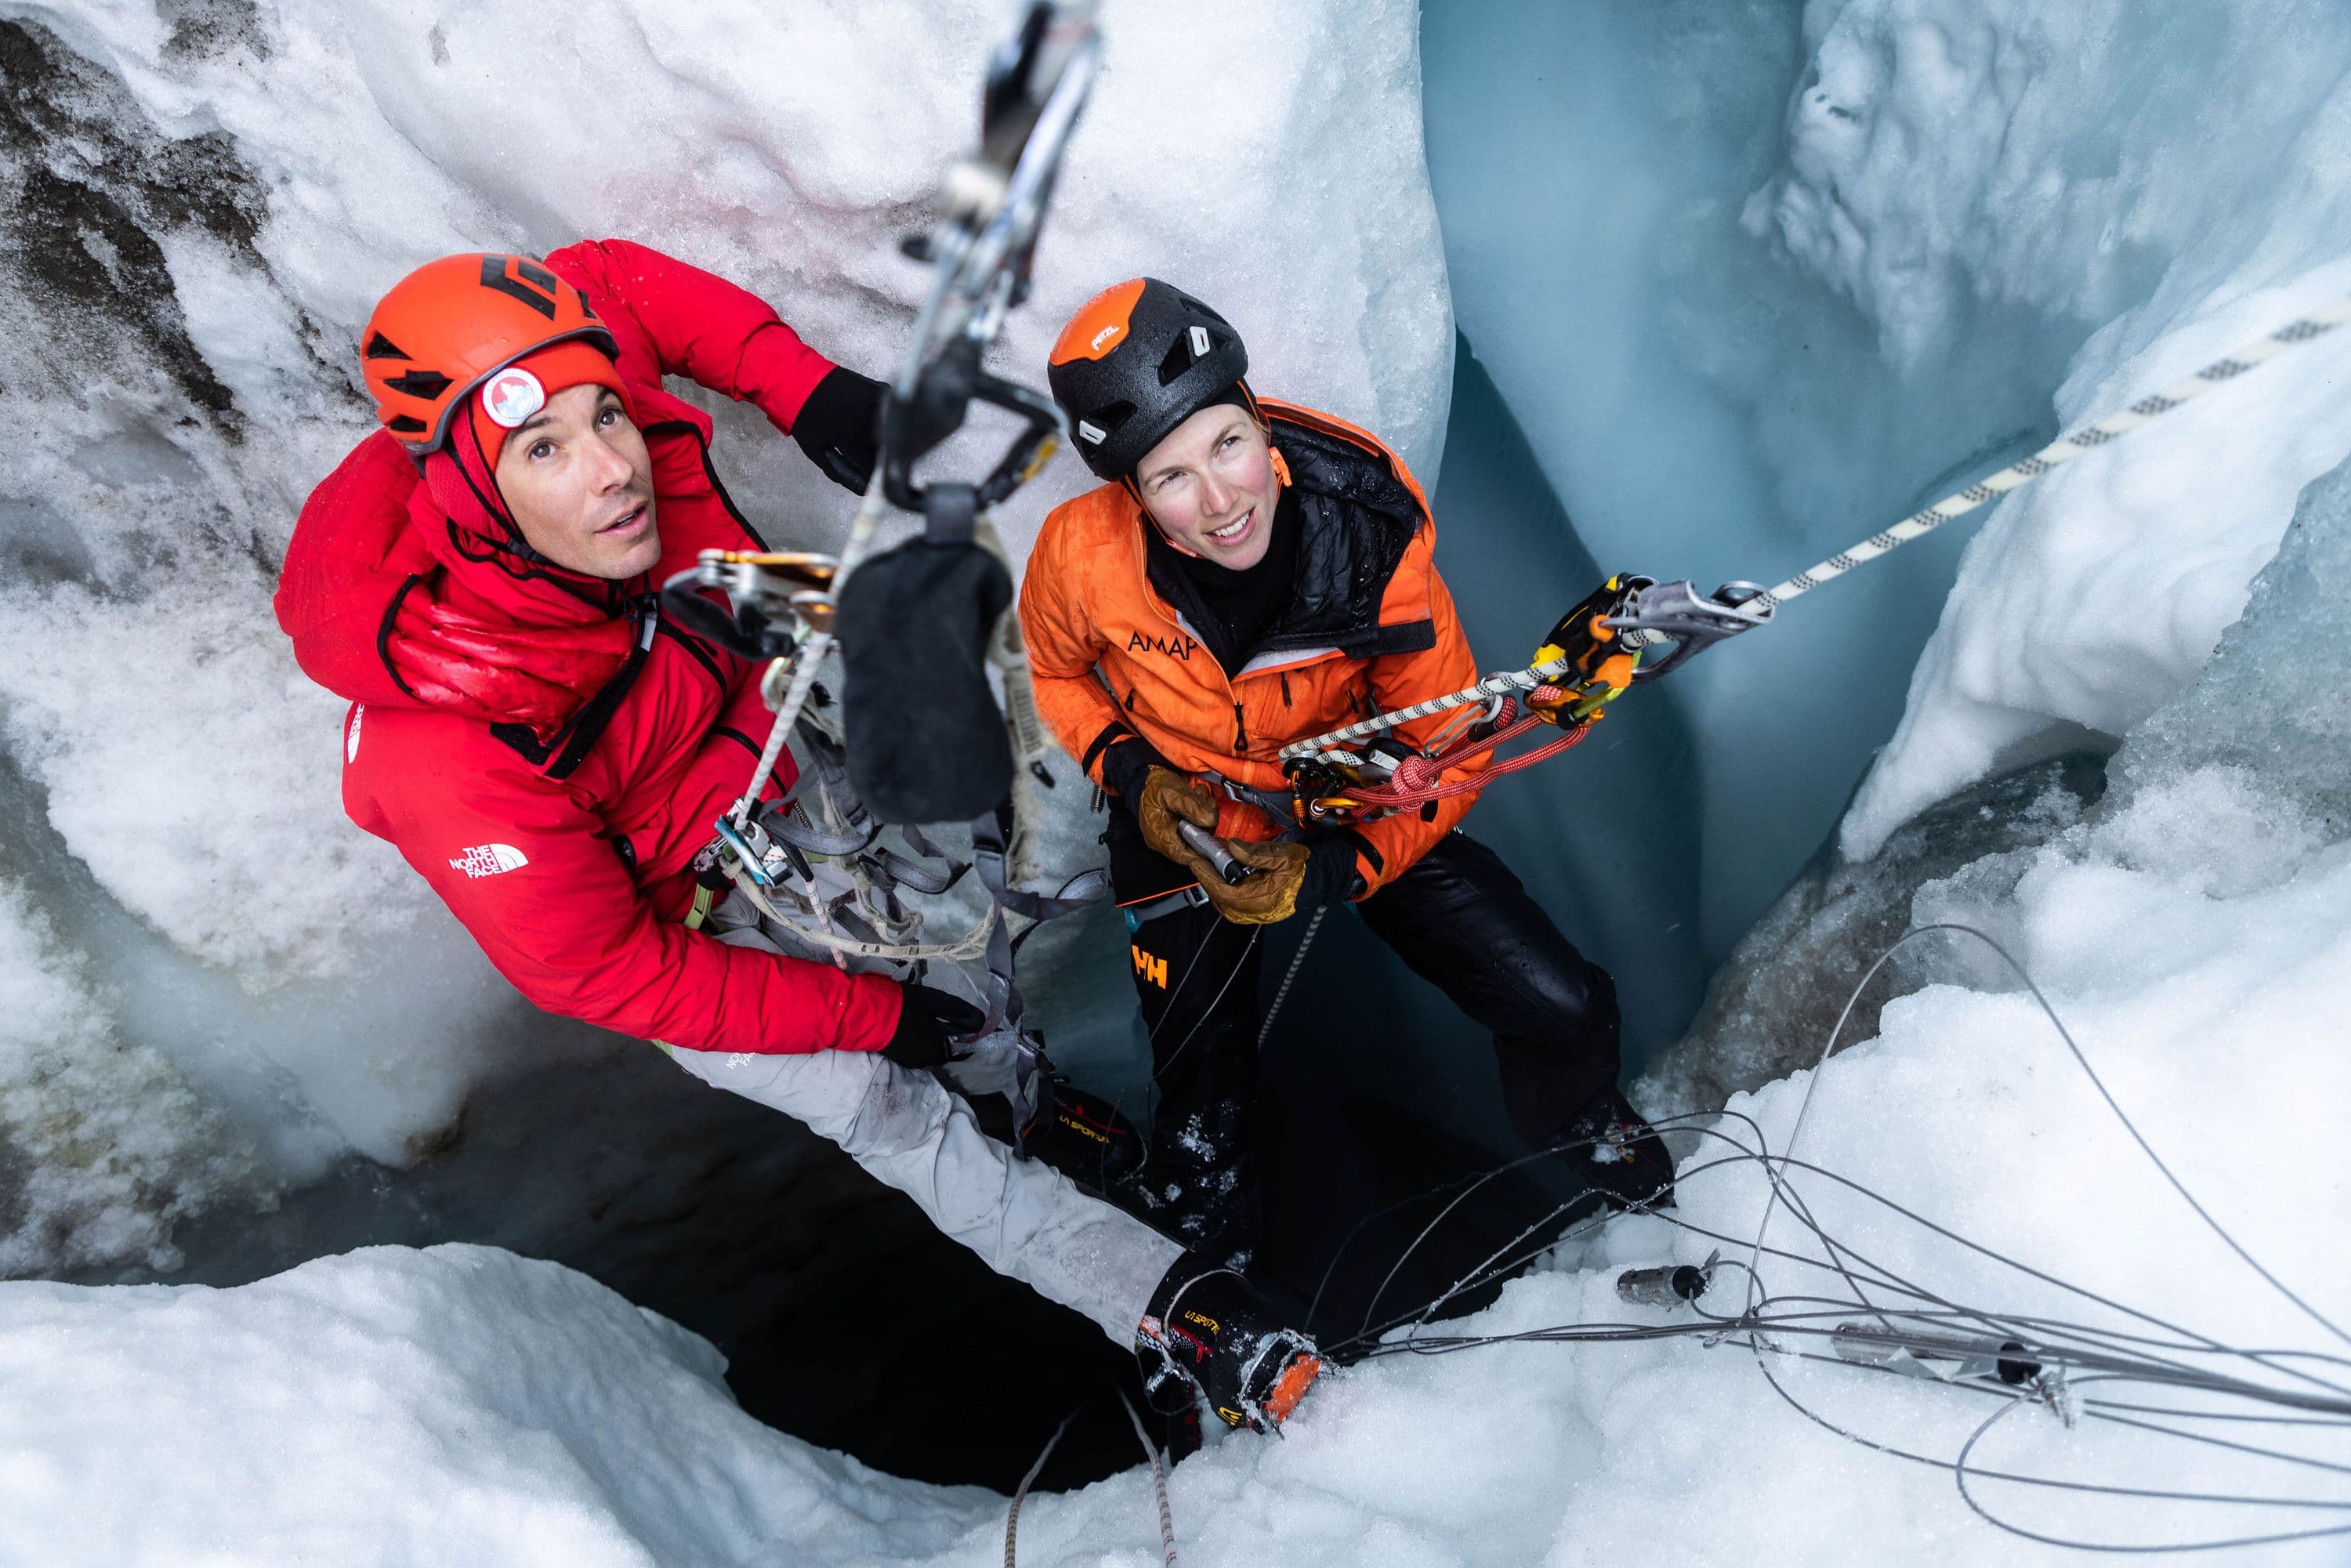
[1136, 362]
[453, 323]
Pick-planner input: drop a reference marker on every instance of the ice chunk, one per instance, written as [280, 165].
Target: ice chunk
[1770, 1009]
[2270, 698]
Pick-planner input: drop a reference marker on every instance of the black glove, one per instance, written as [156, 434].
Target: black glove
[1125, 763]
[926, 1018]
[1332, 876]
[839, 426]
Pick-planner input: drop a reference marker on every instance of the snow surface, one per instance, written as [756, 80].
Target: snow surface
[454, 1404]
[225, 188]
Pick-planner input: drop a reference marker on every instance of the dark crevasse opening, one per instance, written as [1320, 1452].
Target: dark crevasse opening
[1696, 404]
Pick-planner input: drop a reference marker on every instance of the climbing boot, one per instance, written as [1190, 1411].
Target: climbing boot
[1207, 1335]
[1619, 1154]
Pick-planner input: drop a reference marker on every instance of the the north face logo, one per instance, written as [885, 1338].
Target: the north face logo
[488, 859]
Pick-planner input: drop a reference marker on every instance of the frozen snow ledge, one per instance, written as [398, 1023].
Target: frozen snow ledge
[459, 1405]
[2066, 160]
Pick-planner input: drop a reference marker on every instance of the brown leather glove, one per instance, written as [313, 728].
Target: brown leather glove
[1167, 798]
[1267, 898]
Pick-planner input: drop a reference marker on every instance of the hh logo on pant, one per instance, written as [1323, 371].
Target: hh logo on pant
[1151, 968]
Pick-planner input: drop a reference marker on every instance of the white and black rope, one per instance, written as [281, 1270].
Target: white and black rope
[1918, 525]
[2065, 449]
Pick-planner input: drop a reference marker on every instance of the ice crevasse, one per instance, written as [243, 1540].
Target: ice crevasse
[2179, 177]
[2194, 931]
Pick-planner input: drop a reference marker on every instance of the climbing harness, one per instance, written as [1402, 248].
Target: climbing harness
[1596, 652]
[817, 867]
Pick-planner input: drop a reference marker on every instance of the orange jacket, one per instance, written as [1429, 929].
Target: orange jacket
[1111, 657]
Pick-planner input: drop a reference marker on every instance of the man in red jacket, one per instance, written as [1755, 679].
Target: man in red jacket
[547, 750]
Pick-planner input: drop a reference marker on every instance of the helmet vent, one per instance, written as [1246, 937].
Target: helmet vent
[382, 347]
[1110, 415]
[1179, 359]
[494, 276]
[408, 424]
[427, 385]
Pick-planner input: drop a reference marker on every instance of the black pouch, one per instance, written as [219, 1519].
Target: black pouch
[925, 739]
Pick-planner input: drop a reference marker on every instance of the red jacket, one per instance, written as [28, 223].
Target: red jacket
[555, 790]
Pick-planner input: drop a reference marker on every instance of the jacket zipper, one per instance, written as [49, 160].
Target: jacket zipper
[1151, 597]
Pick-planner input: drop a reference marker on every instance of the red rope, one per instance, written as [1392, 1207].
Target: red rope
[1419, 780]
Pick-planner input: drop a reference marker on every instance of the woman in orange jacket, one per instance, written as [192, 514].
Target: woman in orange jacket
[1254, 572]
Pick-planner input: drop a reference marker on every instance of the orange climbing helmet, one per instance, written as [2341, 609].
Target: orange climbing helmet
[452, 324]
[1136, 362]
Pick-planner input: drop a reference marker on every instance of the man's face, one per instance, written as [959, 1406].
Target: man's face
[1210, 487]
[580, 483]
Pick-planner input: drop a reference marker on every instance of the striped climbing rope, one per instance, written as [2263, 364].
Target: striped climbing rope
[2065, 449]
[1918, 524]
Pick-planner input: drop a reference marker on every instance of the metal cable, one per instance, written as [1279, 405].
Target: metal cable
[2095, 1354]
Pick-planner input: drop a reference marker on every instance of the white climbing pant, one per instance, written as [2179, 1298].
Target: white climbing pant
[1025, 1219]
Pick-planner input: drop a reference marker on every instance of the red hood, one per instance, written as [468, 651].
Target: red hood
[404, 590]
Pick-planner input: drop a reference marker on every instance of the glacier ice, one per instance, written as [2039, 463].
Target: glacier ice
[1700, 404]
[2076, 167]
[1758, 279]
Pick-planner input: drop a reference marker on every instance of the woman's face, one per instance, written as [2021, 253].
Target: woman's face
[1210, 487]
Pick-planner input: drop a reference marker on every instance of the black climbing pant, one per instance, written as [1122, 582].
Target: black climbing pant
[1458, 918]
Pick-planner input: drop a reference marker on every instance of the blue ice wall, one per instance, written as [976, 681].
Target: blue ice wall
[1694, 407]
